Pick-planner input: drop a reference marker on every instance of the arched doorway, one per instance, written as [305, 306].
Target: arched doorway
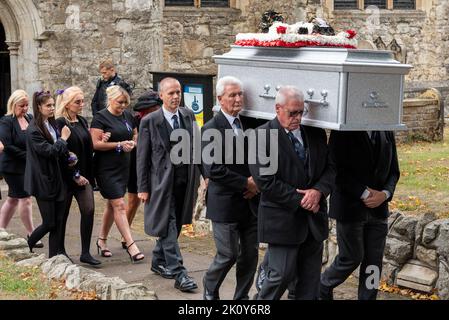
[23, 30]
[5, 72]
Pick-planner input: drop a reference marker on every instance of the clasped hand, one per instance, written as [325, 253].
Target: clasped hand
[375, 198]
[311, 199]
[251, 189]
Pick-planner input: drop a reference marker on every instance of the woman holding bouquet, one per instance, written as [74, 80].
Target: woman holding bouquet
[78, 171]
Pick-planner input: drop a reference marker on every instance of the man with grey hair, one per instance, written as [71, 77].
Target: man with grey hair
[292, 216]
[232, 198]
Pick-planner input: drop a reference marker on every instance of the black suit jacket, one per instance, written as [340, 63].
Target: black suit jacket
[227, 181]
[13, 158]
[43, 177]
[281, 218]
[360, 164]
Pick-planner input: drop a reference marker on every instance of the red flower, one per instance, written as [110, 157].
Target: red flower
[351, 34]
[281, 29]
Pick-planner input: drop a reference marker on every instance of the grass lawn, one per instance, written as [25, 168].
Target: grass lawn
[22, 283]
[424, 182]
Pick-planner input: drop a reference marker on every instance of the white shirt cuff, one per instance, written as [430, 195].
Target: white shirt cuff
[387, 193]
[365, 194]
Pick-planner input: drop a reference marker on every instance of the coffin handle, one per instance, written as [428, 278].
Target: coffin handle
[322, 102]
[267, 94]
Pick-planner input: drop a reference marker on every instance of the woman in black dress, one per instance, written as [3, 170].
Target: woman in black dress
[112, 159]
[12, 165]
[148, 102]
[79, 177]
[46, 148]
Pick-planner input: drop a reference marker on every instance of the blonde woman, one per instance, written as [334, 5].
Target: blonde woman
[12, 165]
[79, 176]
[112, 160]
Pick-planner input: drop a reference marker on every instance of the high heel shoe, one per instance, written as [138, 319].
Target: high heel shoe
[124, 245]
[134, 257]
[102, 251]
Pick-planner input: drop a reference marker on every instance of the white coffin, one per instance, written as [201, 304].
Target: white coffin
[344, 89]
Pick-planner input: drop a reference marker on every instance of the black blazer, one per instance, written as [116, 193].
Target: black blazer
[13, 138]
[227, 182]
[359, 165]
[282, 220]
[43, 178]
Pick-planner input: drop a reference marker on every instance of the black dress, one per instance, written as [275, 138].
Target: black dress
[112, 167]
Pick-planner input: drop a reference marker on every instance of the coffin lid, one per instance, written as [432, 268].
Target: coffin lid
[338, 59]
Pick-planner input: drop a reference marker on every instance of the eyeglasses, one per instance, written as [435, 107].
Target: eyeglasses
[294, 114]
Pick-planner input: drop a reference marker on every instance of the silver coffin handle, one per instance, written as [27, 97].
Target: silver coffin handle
[322, 102]
[266, 93]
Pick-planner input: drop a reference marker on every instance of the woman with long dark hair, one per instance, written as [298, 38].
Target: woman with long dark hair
[79, 176]
[46, 147]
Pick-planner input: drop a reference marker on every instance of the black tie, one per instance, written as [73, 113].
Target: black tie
[299, 149]
[175, 122]
[237, 125]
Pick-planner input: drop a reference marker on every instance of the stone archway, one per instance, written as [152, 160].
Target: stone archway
[23, 29]
[5, 72]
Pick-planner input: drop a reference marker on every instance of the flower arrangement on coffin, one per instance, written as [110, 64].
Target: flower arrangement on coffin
[315, 33]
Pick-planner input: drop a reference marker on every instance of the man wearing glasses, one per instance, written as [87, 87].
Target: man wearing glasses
[293, 210]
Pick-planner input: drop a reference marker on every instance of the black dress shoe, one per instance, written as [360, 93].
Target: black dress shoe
[185, 283]
[87, 258]
[162, 271]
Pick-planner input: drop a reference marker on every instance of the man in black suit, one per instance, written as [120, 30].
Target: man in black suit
[293, 210]
[367, 171]
[231, 197]
[168, 189]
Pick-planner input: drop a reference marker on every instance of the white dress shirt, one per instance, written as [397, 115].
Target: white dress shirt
[51, 130]
[169, 116]
[231, 121]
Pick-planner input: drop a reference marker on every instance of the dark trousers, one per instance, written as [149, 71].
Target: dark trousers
[359, 243]
[85, 199]
[236, 243]
[167, 252]
[261, 274]
[287, 263]
[52, 213]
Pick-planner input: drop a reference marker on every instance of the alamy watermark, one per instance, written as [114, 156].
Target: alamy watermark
[212, 147]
